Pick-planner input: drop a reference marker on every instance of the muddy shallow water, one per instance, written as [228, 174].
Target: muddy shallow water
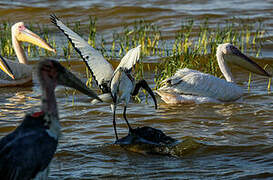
[222, 141]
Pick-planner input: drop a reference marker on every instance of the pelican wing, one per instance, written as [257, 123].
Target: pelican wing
[192, 82]
[101, 70]
[130, 59]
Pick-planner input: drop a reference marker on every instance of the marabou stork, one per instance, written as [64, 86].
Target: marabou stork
[118, 85]
[27, 151]
[193, 86]
[21, 70]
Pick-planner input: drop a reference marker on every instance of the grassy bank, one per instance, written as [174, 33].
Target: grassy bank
[194, 45]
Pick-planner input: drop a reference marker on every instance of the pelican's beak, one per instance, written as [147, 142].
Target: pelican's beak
[66, 78]
[5, 67]
[30, 37]
[241, 60]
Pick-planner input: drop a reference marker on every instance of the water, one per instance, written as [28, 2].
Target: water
[224, 141]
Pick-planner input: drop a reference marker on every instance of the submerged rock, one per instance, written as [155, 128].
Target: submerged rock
[148, 140]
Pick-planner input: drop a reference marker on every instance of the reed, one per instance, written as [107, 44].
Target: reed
[194, 45]
[6, 48]
[198, 51]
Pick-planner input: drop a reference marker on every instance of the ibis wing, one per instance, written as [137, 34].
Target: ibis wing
[101, 70]
[130, 59]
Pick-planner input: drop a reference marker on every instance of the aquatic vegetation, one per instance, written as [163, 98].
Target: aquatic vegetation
[194, 45]
[32, 50]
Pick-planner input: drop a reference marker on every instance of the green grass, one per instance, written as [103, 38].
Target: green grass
[194, 45]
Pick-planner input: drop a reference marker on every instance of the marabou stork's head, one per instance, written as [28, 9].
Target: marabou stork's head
[51, 73]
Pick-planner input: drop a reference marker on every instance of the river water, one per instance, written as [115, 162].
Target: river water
[226, 141]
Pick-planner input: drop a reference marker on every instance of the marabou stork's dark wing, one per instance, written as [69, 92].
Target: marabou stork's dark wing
[101, 69]
[25, 152]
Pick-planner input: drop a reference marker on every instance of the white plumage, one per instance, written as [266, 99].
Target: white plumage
[21, 71]
[117, 86]
[189, 85]
[102, 71]
[196, 86]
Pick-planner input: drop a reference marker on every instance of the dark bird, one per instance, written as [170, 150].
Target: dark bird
[27, 151]
[117, 86]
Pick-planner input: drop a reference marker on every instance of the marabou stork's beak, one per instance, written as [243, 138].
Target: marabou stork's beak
[26, 35]
[5, 67]
[66, 78]
[241, 60]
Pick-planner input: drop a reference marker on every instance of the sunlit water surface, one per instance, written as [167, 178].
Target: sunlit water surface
[228, 141]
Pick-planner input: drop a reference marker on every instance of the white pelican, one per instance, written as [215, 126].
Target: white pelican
[26, 152]
[193, 86]
[22, 71]
[117, 86]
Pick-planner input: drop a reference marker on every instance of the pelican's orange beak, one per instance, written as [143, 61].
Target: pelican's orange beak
[25, 35]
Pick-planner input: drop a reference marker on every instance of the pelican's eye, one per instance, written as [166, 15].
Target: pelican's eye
[21, 27]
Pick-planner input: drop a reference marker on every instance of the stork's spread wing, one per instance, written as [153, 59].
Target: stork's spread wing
[101, 70]
[130, 59]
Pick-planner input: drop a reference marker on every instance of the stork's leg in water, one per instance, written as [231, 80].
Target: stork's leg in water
[114, 122]
[142, 83]
[124, 115]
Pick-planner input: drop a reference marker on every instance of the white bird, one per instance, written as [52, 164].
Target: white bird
[21, 70]
[117, 86]
[193, 86]
[27, 152]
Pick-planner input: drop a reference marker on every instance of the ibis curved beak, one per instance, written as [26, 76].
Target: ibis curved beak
[5, 67]
[142, 83]
[28, 36]
[66, 78]
[149, 90]
[241, 60]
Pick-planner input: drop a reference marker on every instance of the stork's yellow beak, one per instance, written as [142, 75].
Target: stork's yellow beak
[5, 67]
[30, 37]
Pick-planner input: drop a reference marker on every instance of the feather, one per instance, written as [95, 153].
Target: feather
[26, 151]
[130, 59]
[101, 70]
[191, 82]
